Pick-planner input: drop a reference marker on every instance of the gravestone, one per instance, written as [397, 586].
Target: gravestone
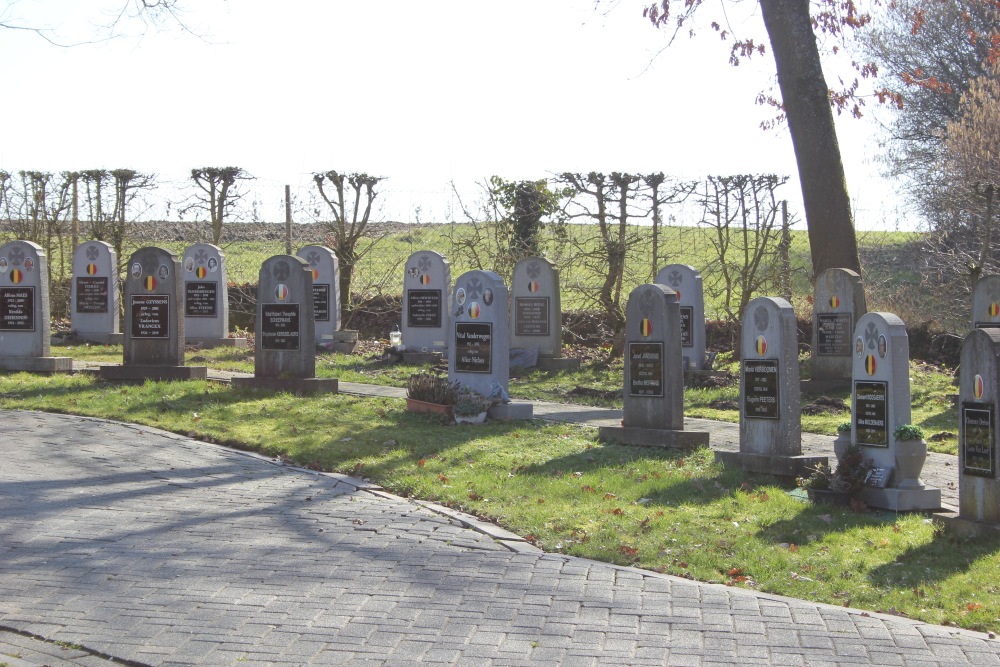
[978, 446]
[285, 333]
[25, 335]
[426, 315]
[881, 403]
[154, 321]
[654, 382]
[838, 303]
[686, 282]
[479, 354]
[206, 298]
[95, 300]
[536, 313]
[326, 299]
[770, 407]
[986, 303]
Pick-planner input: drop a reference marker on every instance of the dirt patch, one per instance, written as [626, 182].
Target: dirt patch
[825, 405]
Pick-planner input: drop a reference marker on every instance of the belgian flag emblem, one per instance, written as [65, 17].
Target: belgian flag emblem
[533, 286]
[315, 274]
[761, 345]
[15, 276]
[870, 364]
[91, 269]
[201, 272]
[150, 283]
[646, 327]
[474, 310]
[977, 386]
[834, 301]
[281, 292]
[425, 279]
[994, 309]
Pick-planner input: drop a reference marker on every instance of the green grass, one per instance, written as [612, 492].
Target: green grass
[672, 512]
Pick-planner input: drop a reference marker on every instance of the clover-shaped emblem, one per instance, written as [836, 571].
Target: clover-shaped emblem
[871, 336]
[16, 256]
[646, 303]
[281, 270]
[761, 318]
[200, 256]
[313, 258]
[474, 289]
[93, 252]
[674, 278]
[424, 263]
[534, 270]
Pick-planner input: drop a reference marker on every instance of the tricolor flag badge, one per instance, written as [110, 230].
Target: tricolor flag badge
[281, 292]
[646, 327]
[870, 364]
[834, 301]
[91, 269]
[15, 276]
[994, 309]
[315, 274]
[201, 272]
[977, 386]
[761, 346]
[150, 283]
[533, 286]
[425, 279]
[474, 310]
[678, 293]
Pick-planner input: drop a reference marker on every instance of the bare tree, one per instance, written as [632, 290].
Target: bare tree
[120, 18]
[664, 190]
[110, 200]
[220, 193]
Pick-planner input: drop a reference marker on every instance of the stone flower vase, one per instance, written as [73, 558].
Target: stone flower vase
[910, 457]
[840, 444]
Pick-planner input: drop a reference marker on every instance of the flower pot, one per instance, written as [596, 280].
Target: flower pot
[910, 457]
[841, 443]
[470, 419]
[413, 405]
[829, 497]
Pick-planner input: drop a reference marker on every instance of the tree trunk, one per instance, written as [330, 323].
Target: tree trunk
[805, 96]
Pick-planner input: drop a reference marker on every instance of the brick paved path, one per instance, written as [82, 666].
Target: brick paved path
[130, 543]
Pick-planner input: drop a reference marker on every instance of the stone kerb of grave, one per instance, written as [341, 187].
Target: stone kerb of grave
[25, 335]
[881, 404]
[426, 317]
[154, 321]
[838, 303]
[95, 299]
[536, 313]
[479, 353]
[770, 406]
[206, 298]
[686, 283]
[986, 303]
[285, 333]
[326, 299]
[654, 383]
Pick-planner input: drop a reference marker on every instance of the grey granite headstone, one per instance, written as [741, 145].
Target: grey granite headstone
[986, 303]
[95, 299]
[770, 406]
[654, 379]
[285, 333]
[326, 290]
[479, 353]
[978, 443]
[686, 282]
[536, 313]
[426, 315]
[24, 311]
[206, 298]
[881, 403]
[154, 320]
[838, 303]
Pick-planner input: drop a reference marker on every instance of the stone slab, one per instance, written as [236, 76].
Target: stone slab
[653, 437]
[37, 364]
[422, 358]
[965, 528]
[558, 363]
[290, 385]
[344, 341]
[511, 411]
[772, 464]
[141, 372]
[903, 500]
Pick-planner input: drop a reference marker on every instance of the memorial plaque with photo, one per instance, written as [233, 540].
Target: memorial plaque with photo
[645, 369]
[17, 305]
[833, 334]
[473, 347]
[977, 446]
[279, 326]
[760, 377]
[871, 401]
[321, 301]
[150, 316]
[531, 315]
[92, 295]
[423, 308]
[201, 299]
[687, 318]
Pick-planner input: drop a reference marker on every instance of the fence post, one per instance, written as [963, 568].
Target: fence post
[288, 220]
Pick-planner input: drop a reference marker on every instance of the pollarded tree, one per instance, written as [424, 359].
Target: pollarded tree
[220, 193]
[124, 17]
[110, 198]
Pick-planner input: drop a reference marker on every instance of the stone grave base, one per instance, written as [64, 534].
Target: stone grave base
[428, 358]
[823, 385]
[697, 378]
[290, 385]
[902, 500]
[558, 363]
[653, 437]
[143, 372]
[511, 411]
[206, 343]
[772, 464]
[344, 341]
[101, 338]
[37, 364]
[965, 528]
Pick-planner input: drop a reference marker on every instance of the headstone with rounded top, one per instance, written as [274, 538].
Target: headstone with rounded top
[881, 404]
[654, 382]
[770, 406]
[986, 303]
[326, 299]
[426, 293]
[978, 443]
[95, 300]
[686, 283]
[25, 335]
[206, 298]
[285, 334]
[536, 313]
[479, 355]
[154, 321]
[838, 303]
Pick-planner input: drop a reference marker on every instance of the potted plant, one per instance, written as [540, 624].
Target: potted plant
[837, 487]
[471, 408]
[910, 454]
[429, 392]
[842, 441]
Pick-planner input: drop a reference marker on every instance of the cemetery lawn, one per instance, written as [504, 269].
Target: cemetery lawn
[556, 485]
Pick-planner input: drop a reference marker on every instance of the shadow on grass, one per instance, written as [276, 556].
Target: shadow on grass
[942, 557]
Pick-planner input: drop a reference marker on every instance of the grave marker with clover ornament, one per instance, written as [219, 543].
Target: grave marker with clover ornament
[426, 315]
[95, 300]
[986, 303]
[536, 315]
[326, 290]
[686, 282]
[206, 298]
[838, 303]
[978, 444]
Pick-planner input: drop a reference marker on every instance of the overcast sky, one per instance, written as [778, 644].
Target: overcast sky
[423, 93]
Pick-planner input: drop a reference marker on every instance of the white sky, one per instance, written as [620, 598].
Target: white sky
[424, 93]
